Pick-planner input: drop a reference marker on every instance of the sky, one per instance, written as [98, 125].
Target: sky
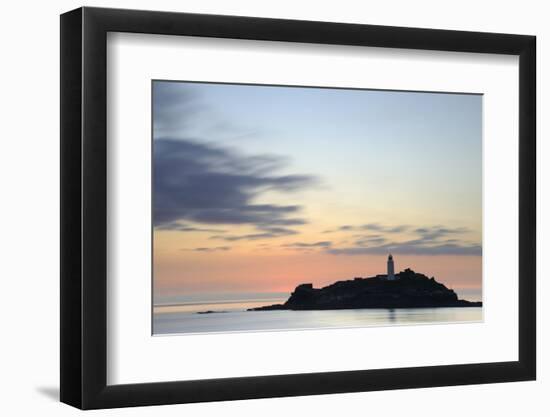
[260, 188]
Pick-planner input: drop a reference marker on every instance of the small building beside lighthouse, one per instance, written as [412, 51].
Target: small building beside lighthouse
[391, 273]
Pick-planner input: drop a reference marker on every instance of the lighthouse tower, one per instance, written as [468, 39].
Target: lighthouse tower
[391, 275]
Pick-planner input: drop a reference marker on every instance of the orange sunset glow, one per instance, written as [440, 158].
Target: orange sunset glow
[258, 189]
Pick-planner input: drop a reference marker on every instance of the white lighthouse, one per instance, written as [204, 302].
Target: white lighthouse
[391, 275]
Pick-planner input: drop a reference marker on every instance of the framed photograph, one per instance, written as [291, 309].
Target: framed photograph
[260, 208]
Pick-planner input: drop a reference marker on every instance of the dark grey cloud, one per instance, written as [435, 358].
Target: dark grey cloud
[198, 184]
[432, 240]
[211, 185]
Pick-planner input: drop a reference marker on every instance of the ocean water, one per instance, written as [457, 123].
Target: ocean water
[231, 316]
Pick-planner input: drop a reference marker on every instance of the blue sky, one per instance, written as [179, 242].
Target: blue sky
[314, 160]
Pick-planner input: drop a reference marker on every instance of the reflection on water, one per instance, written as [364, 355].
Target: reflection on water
[233, 317]
[391, 315]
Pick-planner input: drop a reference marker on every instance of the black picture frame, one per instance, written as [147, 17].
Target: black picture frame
[84, 207]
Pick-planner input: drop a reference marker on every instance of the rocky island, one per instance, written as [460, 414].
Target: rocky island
[407, 289]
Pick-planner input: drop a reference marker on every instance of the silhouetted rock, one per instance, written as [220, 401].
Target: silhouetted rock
[409, 290]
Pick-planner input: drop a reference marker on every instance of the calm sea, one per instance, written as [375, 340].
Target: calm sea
[231, 316]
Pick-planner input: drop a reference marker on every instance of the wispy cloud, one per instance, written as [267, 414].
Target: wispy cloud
[385, 229]
[431, 240]
[175, 106]
[211, 249]
[323, 244]
[369, 240]
[181, 227]
[407, 248]
[265, 233]
[436, 232]
[370, 227]
[179, 109]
